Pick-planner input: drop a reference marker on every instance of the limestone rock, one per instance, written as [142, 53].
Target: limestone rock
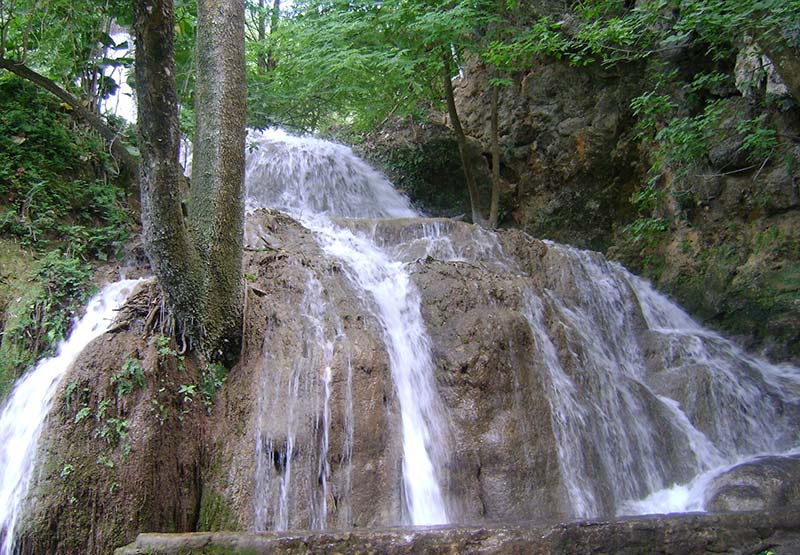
[696, 534]
[767, 483]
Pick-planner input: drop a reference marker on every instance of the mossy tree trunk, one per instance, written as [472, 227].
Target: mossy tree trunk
[198, 259]
[216, 208]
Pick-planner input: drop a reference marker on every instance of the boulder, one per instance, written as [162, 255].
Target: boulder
[765, 483]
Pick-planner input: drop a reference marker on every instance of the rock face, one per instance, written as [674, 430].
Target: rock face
[685, 534]
[551, 364]
[720, 238]
[567, 144]
[284, 359]
[766, 483]
[498, 465]
[121, 450]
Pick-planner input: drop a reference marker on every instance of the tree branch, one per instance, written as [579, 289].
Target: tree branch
[125, 158]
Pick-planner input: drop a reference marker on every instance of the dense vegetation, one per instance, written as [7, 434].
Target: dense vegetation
[352, 68]
[61, 212]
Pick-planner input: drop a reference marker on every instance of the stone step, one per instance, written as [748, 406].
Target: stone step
[752, 533]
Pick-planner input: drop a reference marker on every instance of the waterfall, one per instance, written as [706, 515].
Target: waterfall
[304, 391]
[314, 181]
[645, 406]
[628, 424]
[26, 409]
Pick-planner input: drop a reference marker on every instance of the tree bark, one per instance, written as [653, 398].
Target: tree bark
[216, 209]
[261, 59]
[198, 260]
[274, 18]
[461, 139]
[172, 255]
[121, 154]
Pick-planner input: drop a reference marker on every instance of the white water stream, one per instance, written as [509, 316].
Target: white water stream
[646, 406]
[635, 434]
[26, 409]
[315, 181]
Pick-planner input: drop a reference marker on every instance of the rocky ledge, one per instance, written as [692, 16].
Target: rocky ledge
[752, 533]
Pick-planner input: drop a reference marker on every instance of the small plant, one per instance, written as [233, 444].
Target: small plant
[164, 348]
[159, 409]
[82, 414]
[211, 380]
[105, 461]
[647, 230]
[188, 392]
[66, 471]
[69, 390]
[131, 375]
[101, 409]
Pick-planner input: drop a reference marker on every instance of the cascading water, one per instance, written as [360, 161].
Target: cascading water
[315, 180]
[653, 428]
[307, 385]
[640, 397]
[25, 411]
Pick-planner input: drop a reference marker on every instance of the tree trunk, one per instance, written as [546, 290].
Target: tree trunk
[172, 255]
[461, 139]
[274, 18]
[118, 149]
[197, 261]
[261, 59]
[494, 208]
[216, 210]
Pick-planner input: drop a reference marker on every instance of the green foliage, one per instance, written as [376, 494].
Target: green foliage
[760, 141]
[330, 63]
[82, 414]
[66, 40]
[164, 347]
[55, 183]
[187, 392]
[685, 140]
[647, 230]
[651, 109]
[211, 380]
[66, 471]
[41, 312]
[130, 376]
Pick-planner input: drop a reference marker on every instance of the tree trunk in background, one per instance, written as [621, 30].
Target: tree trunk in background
[216, 209]
[461, 139]
[273, 24]
[198, 261]
[494, 208]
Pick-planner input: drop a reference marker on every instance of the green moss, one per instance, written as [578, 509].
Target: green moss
[18, 292]
[216, 513]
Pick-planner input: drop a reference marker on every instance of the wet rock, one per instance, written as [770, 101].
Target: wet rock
[696, 534]
[120, 452]
[766, 483]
